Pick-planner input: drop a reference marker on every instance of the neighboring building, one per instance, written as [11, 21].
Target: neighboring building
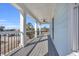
[2, 28]
[10, 30]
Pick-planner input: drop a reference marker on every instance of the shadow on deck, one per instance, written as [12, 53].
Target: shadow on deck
[42, 46]
[37, 47]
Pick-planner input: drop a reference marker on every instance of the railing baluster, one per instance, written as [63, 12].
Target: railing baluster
[4, 44]
[16, 40]
[19, 39]
[8, 42]
[11, 42]
[0, 44]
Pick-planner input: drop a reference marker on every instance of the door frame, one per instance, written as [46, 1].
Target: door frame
[75, 28]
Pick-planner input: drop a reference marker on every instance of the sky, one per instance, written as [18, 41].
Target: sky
[10, 17]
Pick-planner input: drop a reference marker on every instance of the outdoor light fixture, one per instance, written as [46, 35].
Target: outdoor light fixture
[44, 20]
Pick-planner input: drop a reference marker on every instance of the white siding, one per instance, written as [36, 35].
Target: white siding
[61, 40]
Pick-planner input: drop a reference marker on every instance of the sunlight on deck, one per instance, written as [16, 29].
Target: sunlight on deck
[37, 47]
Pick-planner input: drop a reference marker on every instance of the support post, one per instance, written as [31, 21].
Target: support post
[23, 29]
[35, 29]
[39, 29]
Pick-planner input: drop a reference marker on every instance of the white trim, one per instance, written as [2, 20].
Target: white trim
[77, 29]
[75, 22]
[74, 27]
[70, 26]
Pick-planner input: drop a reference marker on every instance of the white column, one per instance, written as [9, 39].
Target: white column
[23, 29]
[51, 28]
[35, 29]
[39, 29]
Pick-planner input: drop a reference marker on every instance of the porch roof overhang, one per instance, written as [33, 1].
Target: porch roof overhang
[39, 11]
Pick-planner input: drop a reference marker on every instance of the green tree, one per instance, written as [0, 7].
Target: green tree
[30, 30]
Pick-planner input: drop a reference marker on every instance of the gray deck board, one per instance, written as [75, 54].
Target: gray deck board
[38, 47]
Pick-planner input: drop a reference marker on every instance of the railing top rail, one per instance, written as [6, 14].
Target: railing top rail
[8, 32]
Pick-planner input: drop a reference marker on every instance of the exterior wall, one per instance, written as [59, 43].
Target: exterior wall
[61, 35]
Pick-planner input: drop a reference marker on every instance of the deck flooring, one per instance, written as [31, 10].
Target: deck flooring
[37, 47]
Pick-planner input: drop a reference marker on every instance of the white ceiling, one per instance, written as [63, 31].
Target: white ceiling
[40, 11]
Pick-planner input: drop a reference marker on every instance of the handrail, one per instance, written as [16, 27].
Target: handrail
[8, 32]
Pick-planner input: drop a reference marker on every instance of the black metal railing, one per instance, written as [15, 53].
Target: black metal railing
[8, 41]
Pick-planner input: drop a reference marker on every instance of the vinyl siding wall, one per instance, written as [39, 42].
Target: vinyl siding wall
[61, 40]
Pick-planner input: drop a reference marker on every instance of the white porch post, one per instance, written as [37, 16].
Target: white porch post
[35, 29]
[39, 29]
[23, 29]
